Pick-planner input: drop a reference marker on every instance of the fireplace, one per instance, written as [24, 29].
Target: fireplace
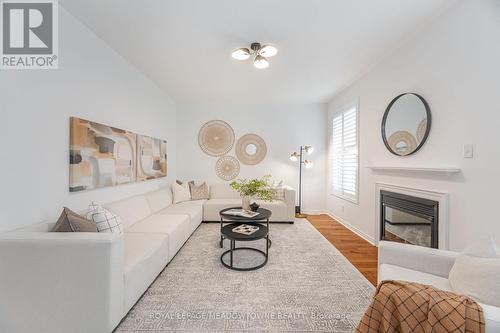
[409, 219]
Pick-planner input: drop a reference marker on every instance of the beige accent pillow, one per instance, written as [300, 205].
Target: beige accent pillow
[181, 192]
[476, 273]
[199, 192]
[70, 221]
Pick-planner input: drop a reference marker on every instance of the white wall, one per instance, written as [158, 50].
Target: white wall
[283, 127]
[454, 64]
[92, 82]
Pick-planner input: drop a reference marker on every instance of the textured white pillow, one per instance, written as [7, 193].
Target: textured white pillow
[104, 219]
[279, 192]
[181, 192]
[476, 273]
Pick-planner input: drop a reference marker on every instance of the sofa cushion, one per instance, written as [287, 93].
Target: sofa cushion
[176, 227]
[194, 209]
[159, 199]
[212, 208]
[145, 256]
[131, 210]
[476, 273]
[392, 272]
[223, 191]
[278, 207]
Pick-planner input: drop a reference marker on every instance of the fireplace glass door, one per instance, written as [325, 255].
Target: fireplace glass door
[408, 219]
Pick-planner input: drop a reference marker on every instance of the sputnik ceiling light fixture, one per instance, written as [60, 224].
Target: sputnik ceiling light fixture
[261, 53]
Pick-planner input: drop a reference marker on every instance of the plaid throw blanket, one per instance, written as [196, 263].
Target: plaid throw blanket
[400, 306]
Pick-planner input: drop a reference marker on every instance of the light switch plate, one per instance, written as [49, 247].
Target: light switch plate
[468, 150]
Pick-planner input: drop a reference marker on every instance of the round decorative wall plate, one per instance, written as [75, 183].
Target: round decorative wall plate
[216, 138]
[402, 142]
[422, 128]
[227, 168]
[251, 149]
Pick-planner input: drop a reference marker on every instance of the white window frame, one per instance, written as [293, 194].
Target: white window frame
[337, 111]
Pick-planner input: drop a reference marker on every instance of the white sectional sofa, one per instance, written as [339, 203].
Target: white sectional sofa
[427, 266]
[87, 282]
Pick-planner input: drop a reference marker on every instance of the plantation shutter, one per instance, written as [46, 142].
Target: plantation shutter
[345, 154]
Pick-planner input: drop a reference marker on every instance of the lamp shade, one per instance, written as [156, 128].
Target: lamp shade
[260, 62]
[309, 149]
[308, 164]
[268, 51]
[294, 156]
[241, 54]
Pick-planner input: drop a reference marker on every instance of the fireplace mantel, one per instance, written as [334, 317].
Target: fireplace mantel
[403, 169]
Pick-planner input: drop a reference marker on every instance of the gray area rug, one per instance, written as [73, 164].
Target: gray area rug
[306, 286]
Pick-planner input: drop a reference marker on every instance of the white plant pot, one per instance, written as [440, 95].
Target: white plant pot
[245, 202]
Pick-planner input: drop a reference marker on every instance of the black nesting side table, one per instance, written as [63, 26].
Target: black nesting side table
[262, 233]
[229, 222]
[264, 215]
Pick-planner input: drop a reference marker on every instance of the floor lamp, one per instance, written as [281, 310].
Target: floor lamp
[297, 156]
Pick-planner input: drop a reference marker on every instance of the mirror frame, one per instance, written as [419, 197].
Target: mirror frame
[427, 130]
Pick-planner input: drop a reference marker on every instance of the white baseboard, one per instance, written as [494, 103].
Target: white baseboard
[349, 226]
[314, 212]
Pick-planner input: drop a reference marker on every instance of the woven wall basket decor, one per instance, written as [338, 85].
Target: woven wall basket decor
[402, 142]
[227, 168]
[216, 138]
[422, 128]
[251, 149]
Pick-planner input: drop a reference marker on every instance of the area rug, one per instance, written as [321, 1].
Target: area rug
[306, 286]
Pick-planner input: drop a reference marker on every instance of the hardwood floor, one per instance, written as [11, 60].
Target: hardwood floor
[359, 252]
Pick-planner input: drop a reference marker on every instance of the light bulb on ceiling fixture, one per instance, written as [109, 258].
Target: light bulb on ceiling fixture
[268, 51]
[309, 149]
[294, 156]
[260, 62]
[241, 54]
[308, 164]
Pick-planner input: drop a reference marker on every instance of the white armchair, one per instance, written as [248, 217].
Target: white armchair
[427, 266]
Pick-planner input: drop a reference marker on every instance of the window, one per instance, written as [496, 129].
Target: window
[344, 154]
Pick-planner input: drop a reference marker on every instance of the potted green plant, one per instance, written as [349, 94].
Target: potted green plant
[253, 188]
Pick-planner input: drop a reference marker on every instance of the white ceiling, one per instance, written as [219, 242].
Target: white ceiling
[185, 45]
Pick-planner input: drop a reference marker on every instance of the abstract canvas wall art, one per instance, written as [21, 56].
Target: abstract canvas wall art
[102, 155]
[151, 158]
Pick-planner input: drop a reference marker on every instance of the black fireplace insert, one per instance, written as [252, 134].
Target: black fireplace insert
[408, 219]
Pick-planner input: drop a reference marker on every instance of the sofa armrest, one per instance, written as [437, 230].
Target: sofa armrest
[290, 202]
[60, 282]
[419, 258]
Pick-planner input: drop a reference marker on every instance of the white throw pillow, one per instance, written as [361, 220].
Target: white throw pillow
[279, 192]
[476, 273]
[181, 192]
[104, 219]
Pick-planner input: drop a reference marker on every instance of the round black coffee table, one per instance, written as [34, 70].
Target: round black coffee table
[261, 233]
[264, 214]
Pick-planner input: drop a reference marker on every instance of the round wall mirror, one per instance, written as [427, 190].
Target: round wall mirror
[251, 149]
[406, 124]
